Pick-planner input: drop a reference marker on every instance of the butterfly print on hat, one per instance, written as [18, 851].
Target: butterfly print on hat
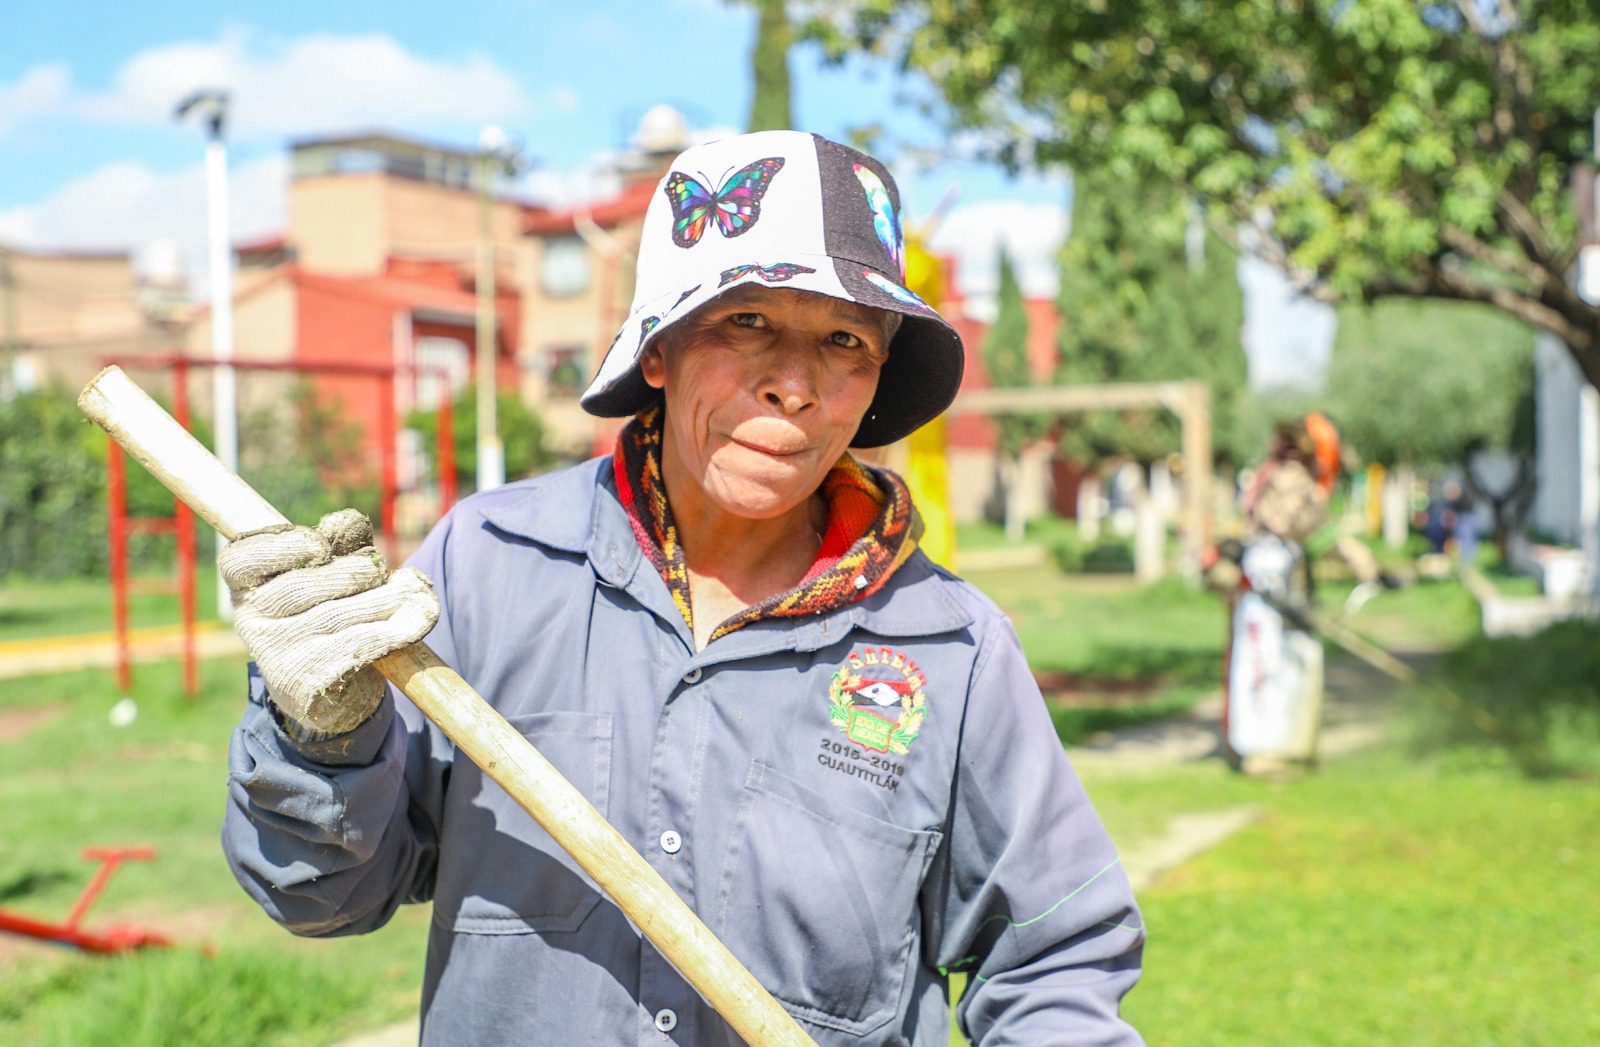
[884, 221]
[772, 274]
[647, 325]
[684, 297]
[733, 208]
[894, 289]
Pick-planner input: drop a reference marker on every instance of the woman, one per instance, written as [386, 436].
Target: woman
[725, 636]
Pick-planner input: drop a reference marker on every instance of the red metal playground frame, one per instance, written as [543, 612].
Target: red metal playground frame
[114, 938]
[181, 524]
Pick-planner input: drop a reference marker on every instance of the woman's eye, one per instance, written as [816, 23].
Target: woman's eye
[748, 320]
[846, 340]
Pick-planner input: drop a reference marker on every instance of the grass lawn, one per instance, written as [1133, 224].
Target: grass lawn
[1387, 899]
[1101, 632]
[31, 609]
[1390, 898]
[75, 781]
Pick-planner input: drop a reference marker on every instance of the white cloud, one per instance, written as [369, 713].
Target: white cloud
[595, 179]
[304, 85]
[591, 181]
[40, 92]
[125, 206]
[1032, 234]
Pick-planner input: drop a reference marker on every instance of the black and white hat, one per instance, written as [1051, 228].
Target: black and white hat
[791, 210]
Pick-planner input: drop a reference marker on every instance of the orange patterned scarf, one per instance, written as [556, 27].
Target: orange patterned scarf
[872, 529]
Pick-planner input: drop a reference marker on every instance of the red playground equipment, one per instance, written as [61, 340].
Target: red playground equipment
[182, 526]
[115, 938]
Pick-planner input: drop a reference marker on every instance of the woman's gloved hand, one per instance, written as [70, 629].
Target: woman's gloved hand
[316, 607]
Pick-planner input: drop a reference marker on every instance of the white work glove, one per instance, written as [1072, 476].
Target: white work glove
[316, 608]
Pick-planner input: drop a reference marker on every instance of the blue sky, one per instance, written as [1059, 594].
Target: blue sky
[93, 158]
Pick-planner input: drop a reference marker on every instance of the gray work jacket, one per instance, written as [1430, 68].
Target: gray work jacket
[848, 848]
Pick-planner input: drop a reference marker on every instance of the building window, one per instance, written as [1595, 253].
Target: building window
[564, 268]
[564, 372]
[442, 360]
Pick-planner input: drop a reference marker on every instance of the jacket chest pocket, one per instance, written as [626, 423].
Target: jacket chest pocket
[499, 871]
[820, 902]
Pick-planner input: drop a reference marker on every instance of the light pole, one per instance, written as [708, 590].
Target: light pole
[8, 304]
[211, 107]
[497, 154]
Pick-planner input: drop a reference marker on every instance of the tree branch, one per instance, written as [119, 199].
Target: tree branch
[1523, 225]
[1460, 241]
[1584, 341]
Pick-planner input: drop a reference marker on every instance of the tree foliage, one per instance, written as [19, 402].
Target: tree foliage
[521, 436]
[300, 455]
[1145, 299]
[1416, 148]
[1428, 382]
[769, 65]
[1005, 357]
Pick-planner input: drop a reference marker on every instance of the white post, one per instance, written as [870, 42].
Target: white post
[1149, 534]
[1397, 506]
[1089, 498]
[212, 107]
[1589, 482]
[491, 452]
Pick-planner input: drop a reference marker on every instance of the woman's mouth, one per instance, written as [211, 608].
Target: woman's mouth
[769, 451]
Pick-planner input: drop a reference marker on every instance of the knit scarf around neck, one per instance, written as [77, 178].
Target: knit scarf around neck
[872, 529]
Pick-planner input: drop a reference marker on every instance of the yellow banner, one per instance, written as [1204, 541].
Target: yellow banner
[926, 453]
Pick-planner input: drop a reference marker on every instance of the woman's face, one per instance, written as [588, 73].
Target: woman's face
[764, 390]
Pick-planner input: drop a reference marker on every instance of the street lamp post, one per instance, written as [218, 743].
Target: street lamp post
[497, 154]
[211, 107]
[8, 305]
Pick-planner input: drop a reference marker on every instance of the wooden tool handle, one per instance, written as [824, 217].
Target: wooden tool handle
[230, 505]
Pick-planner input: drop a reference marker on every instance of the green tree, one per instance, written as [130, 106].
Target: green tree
[769, 66]
[1147, 295]
[521, 431]
[1413, 148]
[1005, 357]
[1402, 393]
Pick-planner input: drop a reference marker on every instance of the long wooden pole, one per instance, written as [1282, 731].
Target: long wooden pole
[230, 505]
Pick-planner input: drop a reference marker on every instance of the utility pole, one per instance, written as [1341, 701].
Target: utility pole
[211, 107]
[497, 154]
[8, 305]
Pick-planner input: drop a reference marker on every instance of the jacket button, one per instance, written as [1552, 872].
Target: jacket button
[671, 842]
[693, 675]
[666, 1019]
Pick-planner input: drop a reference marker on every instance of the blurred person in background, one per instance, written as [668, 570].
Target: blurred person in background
[1272, 705]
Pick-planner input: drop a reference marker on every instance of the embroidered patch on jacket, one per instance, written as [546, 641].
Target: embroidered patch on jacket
[877, 700]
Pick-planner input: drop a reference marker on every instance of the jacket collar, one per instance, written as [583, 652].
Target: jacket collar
[572, 511]
[577, 511]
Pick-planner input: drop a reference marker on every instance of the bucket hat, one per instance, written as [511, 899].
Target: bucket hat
[790, 210]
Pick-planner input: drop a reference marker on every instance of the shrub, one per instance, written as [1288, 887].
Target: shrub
[521, 434]
[1106, 555]
[53, 491]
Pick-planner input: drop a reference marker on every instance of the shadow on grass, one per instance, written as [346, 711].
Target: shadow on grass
[1076, 724]
[22, 884]
[1534, 700]
[1149, 662]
